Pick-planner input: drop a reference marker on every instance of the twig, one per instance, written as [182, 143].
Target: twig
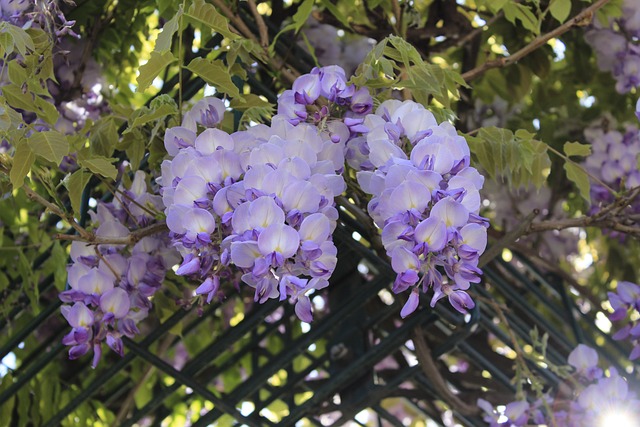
[397, 12]
[130, 239]
[423, 353]
[508, 239]
[262, 27]
[581, 19]
[82, 233]
[595, 178]
[242, 29]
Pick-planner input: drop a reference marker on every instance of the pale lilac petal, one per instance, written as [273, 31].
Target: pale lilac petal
[115, 301]
[78, 315]
[433, 232]
[303, 309]
[403, 260]
[451, 212]
[301, 196]
[213, 139]
[316, 227]
[95, 282]
[475, 236]
[244, 254]
[411, 304]
[279, 238]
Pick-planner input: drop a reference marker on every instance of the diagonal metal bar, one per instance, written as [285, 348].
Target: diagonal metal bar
[97, 383]
[185, 379]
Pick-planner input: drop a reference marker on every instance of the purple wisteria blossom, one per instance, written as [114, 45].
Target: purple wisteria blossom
[625, 302]
[425, 199]
[614, 161]
[110, 286]
[594, 399]
[257, 206]
[617, 48]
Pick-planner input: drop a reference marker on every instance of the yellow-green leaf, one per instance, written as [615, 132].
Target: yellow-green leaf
[205, 14]
[560, 9]
[576, 149]
[159, 113]
[215, 74]
[163, 42]
[22, 161]
[149, 71]
[579, 177]
[50, 145]
[101, 166]
[75, 184]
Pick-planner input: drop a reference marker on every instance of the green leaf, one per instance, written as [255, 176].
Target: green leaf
[46, 110]
[215, 74]
[579, 177]
[163, 42]
[159, 113]
[576, 149]
[17, 73]
[336, 13]
[22, 161]
[518, 157]
[104, 137]
[513, 11]
[560, 9]
[299, 18]
[19, 39]
[100, 165]
[149, 71]
[75, 184]
[50, 145]
[205, 14]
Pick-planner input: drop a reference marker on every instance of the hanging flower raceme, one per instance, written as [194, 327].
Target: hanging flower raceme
[617, 48]
[255, 205]
[626, 305]
[110, 285]
[596, 399]
[425, 199]
[613, 160]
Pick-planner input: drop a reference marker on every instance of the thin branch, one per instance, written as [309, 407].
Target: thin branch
[595, 178]
[423, 353]
[82, 233]
[508, 239]
[242, 29]
[262, 27]
[580, 20]
[130, 239]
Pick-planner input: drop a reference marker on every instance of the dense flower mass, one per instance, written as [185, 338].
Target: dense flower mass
[262, 199]
[425, 199]
[614, 161]
[110, 286]
[593, 400]
[618, 46]
[625, 302]
[259, 200]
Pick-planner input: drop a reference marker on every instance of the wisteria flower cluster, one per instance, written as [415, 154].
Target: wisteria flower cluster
[259, 200]
[110, 286]
[614, 161]
[617, 47]
[43, 14]
[625, 302]
[594, 398]
[425, 199]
